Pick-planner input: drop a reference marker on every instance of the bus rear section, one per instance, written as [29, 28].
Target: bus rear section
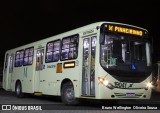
[124, 69]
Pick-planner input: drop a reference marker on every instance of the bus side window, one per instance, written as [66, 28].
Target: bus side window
[19, 58]
[70, 47]
[49, 57]
[52, 53]
[65, 54]
[56, 56]
[71, 54]
[28, 56]
[75, 46]
[65, 48]
[56, 50]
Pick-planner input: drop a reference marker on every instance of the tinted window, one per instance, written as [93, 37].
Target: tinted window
[28, 56]
[19, 58]
[52, 53]
[69, 48]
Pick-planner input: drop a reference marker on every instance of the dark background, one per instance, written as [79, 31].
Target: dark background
[22, 22]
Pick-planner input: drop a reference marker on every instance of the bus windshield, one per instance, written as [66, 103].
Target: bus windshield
[125, 56]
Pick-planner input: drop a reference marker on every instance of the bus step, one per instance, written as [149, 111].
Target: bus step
[38, 93]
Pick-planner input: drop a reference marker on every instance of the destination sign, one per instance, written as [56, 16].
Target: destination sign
[125, 30]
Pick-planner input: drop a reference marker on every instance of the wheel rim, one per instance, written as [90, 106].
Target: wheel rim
[69, 94]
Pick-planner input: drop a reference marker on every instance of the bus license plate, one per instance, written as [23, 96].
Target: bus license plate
[130, 94]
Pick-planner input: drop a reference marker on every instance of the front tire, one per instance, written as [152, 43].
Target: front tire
[68, 95]
[18, 90]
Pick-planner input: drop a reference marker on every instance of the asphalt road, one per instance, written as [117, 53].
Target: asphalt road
[54, 104]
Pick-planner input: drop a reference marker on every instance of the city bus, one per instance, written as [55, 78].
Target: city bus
[102, 60]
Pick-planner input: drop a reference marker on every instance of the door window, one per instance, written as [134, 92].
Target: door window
[39, 59]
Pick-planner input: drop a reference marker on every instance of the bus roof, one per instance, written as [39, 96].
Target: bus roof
[77, 30]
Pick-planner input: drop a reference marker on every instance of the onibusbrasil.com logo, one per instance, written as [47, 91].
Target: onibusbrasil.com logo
[20, 107]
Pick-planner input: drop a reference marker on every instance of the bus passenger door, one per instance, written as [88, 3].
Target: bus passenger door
[39, 68]
[88, 66]
[8, 73]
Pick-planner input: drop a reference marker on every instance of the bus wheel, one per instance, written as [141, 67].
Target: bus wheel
[67, 94]
[18, 90]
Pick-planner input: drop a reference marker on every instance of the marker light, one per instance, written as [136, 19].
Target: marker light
[101, 79]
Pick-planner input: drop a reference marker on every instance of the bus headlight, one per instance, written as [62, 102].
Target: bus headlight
[149, 85]
[105, 83]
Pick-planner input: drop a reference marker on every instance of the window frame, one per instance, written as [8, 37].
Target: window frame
[77, 46]
[28, 56]
[52, 51]
[19, 58]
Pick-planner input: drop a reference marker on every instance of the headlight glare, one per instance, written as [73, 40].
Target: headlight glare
[105, 82]
[149, 85]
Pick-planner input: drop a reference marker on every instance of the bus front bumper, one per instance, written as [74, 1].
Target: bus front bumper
[116, 93]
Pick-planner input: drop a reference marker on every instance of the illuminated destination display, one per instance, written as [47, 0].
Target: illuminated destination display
[125, 30]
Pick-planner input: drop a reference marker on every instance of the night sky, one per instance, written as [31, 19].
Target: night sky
[24, 22]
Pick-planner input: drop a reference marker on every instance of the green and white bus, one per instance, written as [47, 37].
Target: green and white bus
[103, 60]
